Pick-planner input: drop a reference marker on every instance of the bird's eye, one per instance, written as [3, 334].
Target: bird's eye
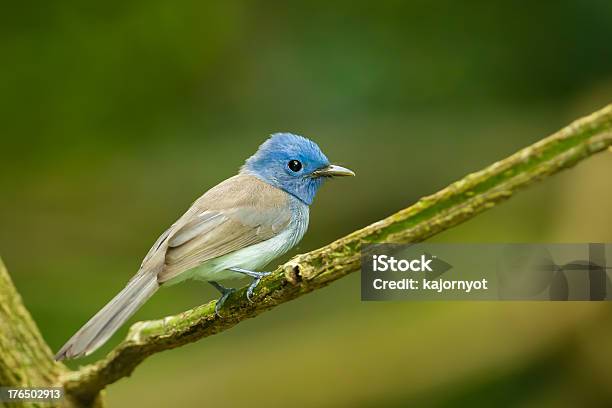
[295, 165]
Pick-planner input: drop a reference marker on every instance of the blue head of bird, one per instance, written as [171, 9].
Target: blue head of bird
[294, 164]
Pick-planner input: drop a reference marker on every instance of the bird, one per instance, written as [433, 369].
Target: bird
[231, 231]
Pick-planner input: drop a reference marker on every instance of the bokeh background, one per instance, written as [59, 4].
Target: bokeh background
[116, 115]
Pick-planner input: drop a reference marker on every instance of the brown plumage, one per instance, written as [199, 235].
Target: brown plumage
[237, 213]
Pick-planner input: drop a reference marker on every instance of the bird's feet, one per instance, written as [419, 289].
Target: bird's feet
[257, 277]
[254, 284]
[225, 292]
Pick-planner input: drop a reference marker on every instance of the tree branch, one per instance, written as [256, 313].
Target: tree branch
[456, 203]
[18, 329]
[25, 358]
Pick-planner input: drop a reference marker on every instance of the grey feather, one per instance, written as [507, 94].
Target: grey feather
[112, 316]
[237, 213]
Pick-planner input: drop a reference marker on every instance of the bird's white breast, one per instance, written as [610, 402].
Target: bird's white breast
[255, 256]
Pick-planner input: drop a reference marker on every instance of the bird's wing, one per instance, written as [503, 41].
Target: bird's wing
[237, 213]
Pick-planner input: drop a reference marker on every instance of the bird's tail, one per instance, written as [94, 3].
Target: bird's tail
[112, 316]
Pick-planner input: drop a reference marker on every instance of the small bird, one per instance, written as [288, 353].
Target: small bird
[235, 228]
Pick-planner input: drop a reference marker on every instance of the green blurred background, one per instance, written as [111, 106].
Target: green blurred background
[116, 115]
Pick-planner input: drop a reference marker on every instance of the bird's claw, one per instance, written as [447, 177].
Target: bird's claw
[225, 292]
[253, 285]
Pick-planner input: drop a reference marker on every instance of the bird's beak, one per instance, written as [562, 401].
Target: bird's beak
[332, 171]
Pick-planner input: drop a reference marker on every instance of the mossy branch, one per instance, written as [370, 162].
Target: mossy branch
[456, 203]
[25, 358]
